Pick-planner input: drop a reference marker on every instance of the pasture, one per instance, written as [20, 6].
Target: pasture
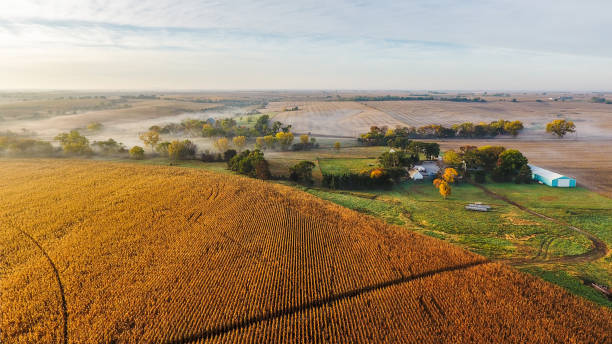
[112, 252]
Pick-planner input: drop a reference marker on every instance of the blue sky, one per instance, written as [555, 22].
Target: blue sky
[164, 44]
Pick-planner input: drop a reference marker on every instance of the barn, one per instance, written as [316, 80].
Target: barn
[551, 178]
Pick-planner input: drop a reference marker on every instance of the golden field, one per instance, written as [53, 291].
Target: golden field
[98, 252]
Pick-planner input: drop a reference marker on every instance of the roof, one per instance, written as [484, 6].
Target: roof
[545, 173]
[412, 173]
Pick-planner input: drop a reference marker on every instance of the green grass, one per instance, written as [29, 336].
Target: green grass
[346, 165]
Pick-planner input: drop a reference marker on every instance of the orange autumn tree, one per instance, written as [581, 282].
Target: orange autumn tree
[442, 184]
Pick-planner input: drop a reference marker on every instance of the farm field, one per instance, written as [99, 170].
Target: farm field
[337, 119]
[115, 252]
[122, 123]
[349, 118]
[508, 234]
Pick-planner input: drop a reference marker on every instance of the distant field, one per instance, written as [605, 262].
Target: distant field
[348, 118]
[113, 252]
[330, 118]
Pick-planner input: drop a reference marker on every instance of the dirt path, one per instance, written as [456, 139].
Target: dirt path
[59, 284]
[599, 250]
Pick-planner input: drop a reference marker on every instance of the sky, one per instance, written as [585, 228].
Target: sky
[241, 44]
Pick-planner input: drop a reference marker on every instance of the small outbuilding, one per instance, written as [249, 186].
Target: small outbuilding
[415, 174]
[551, 178]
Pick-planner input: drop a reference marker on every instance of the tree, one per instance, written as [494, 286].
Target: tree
[452, 158]
[285, 139]
[395, 159]
[337, 146]
[449, 175]
[560, 127]
[508, 165]
[239, 142]
[95, 126]
[442, 186]
[74, 143]
[180, 150]
[229, 154]
[221, 144]
[513, 128]
[262, 125]
[250, 163]
[150, 138]
[270, 141]
[137, 153]
[445, 190]
[524, 175]
[162, 148]
[260, 143]
[109, 146]
[302, 172]
[304, 139]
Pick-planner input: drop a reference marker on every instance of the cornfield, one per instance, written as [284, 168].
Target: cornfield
[98, 252]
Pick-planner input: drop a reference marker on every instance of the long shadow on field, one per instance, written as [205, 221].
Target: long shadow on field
[59, 284]
[316, 304]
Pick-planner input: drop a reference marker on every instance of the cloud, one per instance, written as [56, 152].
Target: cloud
[385, 41]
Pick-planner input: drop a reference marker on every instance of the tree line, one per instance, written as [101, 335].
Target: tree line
[383, 136]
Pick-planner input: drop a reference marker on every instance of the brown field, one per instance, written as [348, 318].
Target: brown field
[331, 118]
[13, 109]
[106, 252]
[593, 121]
[587, 161]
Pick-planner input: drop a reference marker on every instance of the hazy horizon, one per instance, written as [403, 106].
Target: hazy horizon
[293, 45]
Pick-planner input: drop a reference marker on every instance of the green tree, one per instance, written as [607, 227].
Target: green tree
[74, 143]
[560, 127]
[137, 153]
[162, 148]
[508, 165]
[302, 172]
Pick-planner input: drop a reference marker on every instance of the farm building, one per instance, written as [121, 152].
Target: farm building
[551, 178]
[415, 174]
[427, 169]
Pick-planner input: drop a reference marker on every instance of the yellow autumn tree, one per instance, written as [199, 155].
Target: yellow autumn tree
[260, 143]
[304, 139]
[239, 142]
[449, 175]
[445, 190]
[222, 144]
[376, 173]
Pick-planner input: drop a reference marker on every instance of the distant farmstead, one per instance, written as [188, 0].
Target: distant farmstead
[551, 178]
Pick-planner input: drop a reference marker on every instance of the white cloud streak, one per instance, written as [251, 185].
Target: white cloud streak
[306, 44]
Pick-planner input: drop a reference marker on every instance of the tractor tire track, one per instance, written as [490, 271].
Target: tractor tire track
[59, 284]
[599, 250]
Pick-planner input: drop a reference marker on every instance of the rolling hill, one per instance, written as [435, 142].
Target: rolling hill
[99, 252]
